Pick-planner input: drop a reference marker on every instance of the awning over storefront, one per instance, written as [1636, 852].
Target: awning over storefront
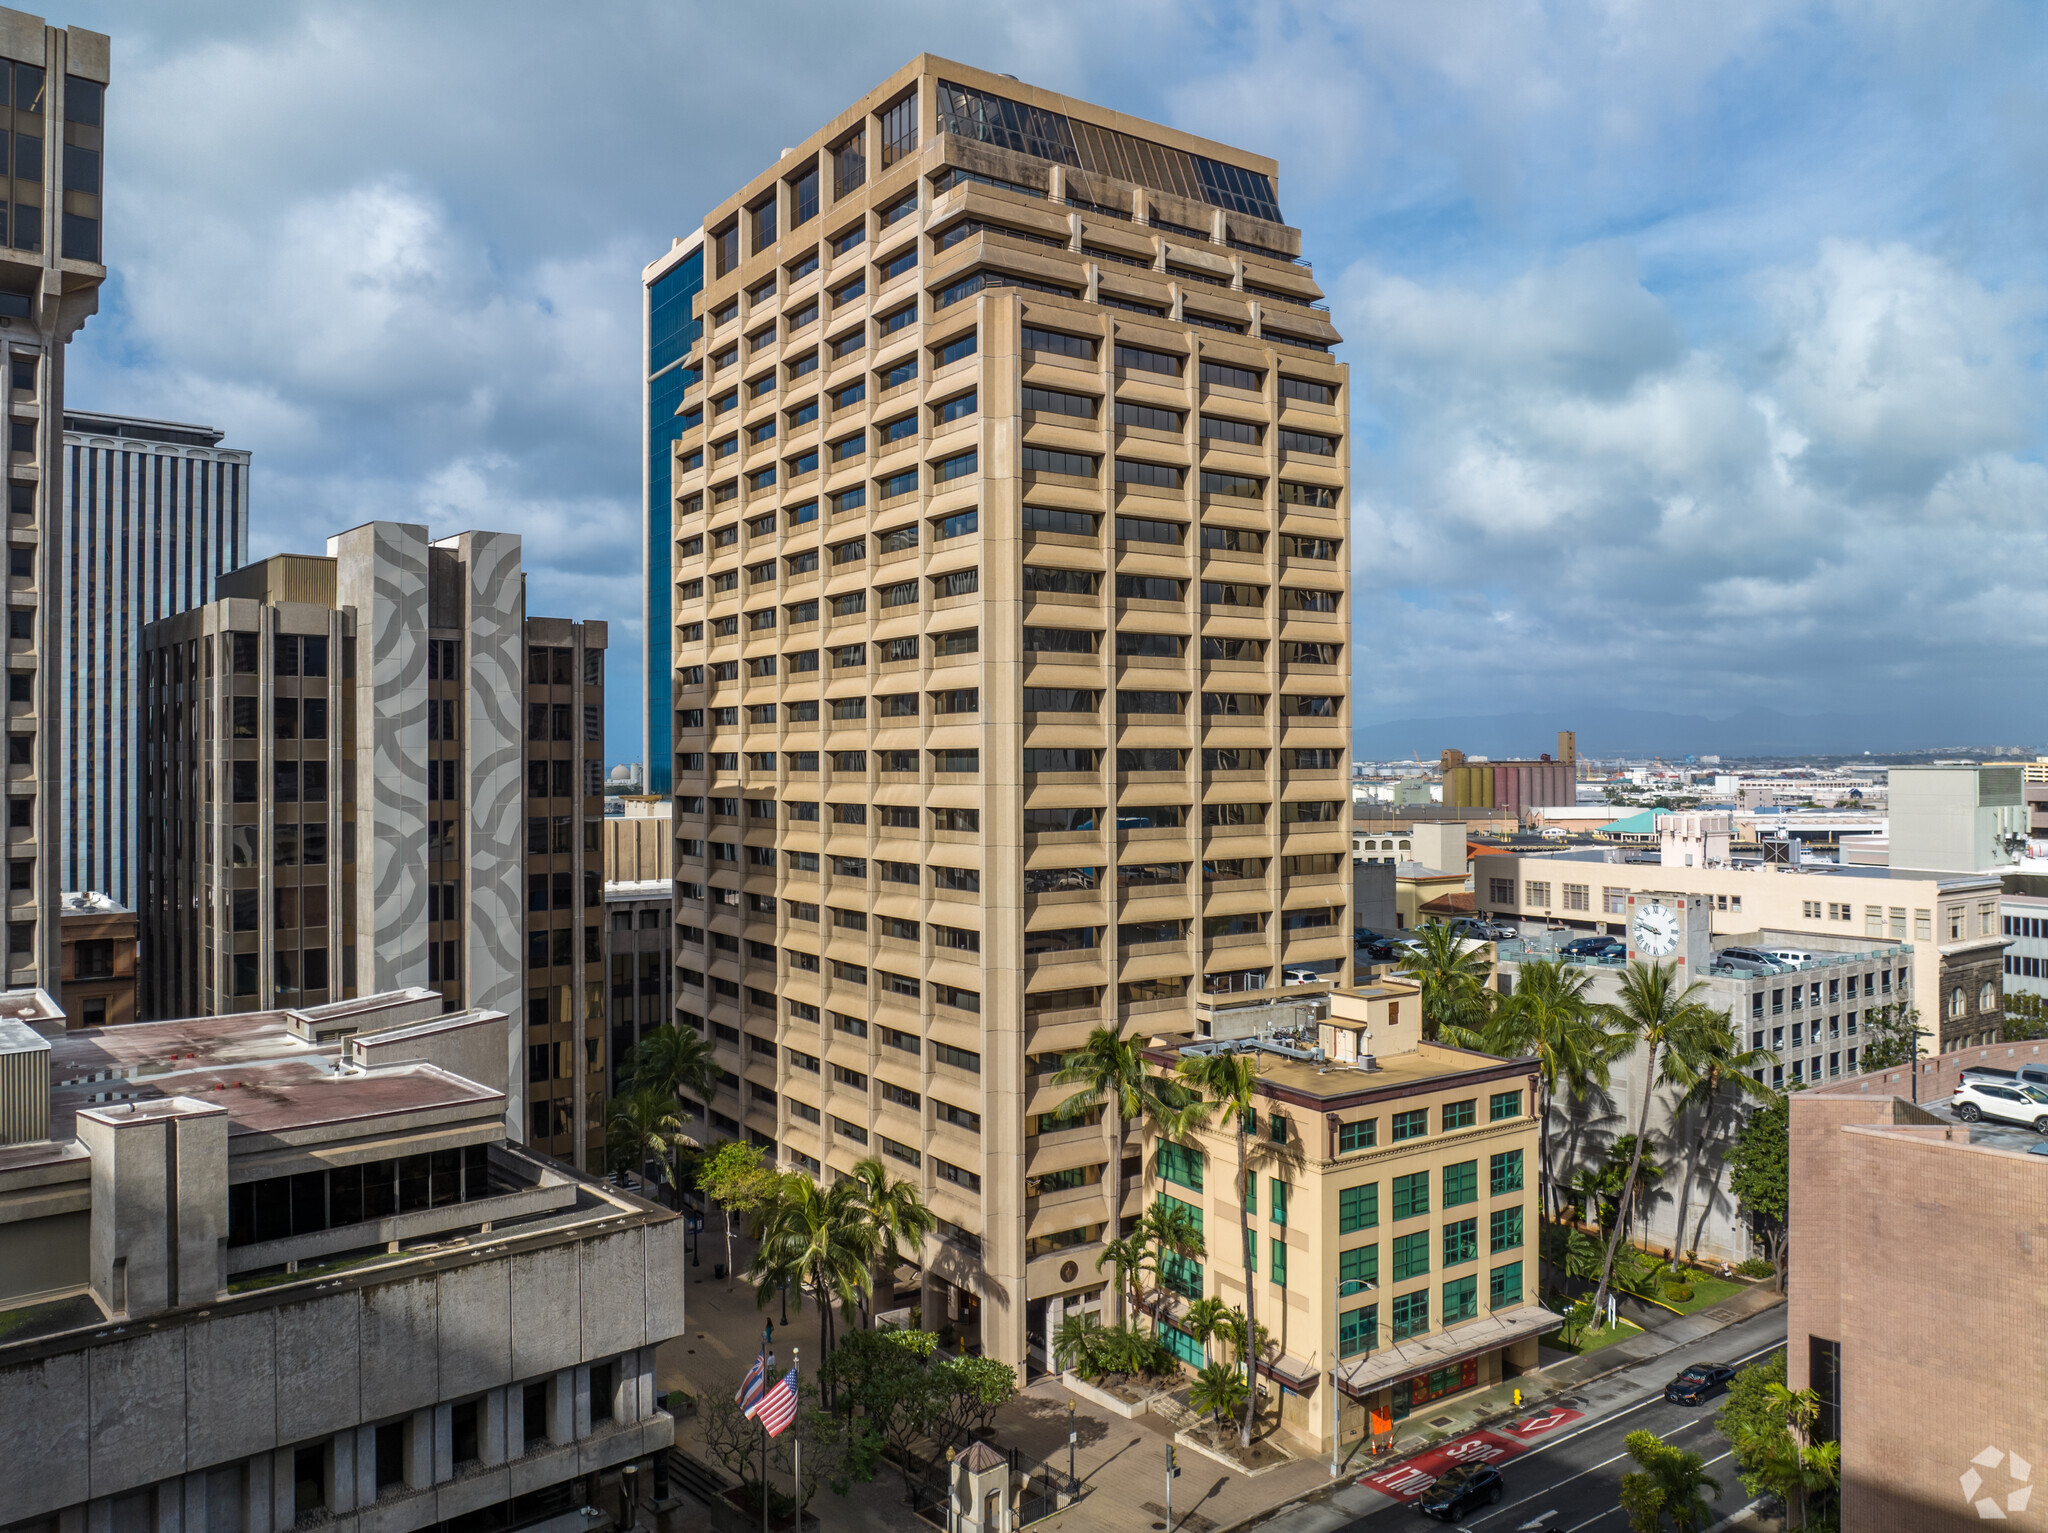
[1361, 1376]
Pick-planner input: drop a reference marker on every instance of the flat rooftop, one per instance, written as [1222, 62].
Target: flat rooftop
[1423, 1068]
[258, 1066]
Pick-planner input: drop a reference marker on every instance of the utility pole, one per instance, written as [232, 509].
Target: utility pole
[1172, 1474]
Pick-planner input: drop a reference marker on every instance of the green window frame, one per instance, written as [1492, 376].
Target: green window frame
[1503, 1105]
[1182, 1345]
[1461, 1300]
[1279, 1191]
[1194, 1214]
[1411, 1256]
[1181, 1275]
[1251, 1197]
[1411, 1125]
[1461, 1183]
[1279, 1260]
[1411, 1195]
[1358, 1330]
[1359, 1265]
[1410, 1314]
[1461, 1242]
[1353, 1137]
[1180, 1165]
[1358, 1208]
[1276, 1128]
[1506, 1229]
[1461, 1114]
[1507, 1172]
[1504, 1286]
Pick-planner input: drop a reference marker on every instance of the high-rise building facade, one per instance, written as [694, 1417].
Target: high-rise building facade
[372, 771]
[154, 512]
[53, 85]
[669, 328]
[1011, 609]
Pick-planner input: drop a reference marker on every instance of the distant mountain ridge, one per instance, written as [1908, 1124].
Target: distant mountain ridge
[1607, 732]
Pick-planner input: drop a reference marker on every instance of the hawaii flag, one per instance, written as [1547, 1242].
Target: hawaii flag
[750, 1386]
[777, 1408]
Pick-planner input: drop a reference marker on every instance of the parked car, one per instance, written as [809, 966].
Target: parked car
[1790, 957]
[1380, 950]
[1482, 931]
[1460, 1491]
[2025, 1075]
[1294, 976]
[2024, 1105]
[1592, 947]
[1749, 960]
[1699, 1383]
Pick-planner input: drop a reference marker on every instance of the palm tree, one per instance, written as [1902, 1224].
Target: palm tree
[1077, 1342]
[1111, 1075]
[1631, 1191]
[894, 1212]
[1218, 1391]
[1171, 1228]
[642, 1126]
[1653, 1011]
[1230, 1082]
[1455, 1000]
[1549, 1017]
[815, 1239]
[1673, 1483]
[676, 1060]
[1128, 1256]
[1207, 1318]
[1711, 1066]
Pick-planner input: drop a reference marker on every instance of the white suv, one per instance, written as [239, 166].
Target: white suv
[2024, 1105]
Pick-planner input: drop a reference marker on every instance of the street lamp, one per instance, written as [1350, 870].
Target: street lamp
[1344, 1286]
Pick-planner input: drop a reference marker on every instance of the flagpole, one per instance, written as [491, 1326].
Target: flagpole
[796, 1484]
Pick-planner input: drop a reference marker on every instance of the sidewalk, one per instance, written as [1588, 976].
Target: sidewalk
[1122, 1463]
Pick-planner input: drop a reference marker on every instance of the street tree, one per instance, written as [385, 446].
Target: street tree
[1759, 1175]
[735, 1178]
[815, 1241]
[1228, 1082]
[1670, 1489]
[1891, 1037]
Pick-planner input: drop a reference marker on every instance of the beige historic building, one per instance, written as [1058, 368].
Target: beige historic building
[1391, 1210]
[1011, 618]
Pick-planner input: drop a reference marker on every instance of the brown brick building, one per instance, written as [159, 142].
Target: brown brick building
[1919, 1295]
[97, 937]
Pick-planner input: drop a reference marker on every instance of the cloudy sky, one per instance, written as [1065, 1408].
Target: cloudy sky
[1699, 348]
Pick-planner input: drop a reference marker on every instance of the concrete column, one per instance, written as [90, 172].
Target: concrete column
[443, 1417]
[256, 1506]
[580, 1378]
[71, 1520]
[341, 1474]
[562, 1408]
[495, 1445]
[283, 1507]
[99, 1515]
[515, 1421]
[419, 1450]
[366, 1465]
[170, 1508]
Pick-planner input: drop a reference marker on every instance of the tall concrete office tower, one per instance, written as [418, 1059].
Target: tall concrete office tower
[1011, 673]
[154, 512]
[669, 329]
[53, 98]
[372, 771]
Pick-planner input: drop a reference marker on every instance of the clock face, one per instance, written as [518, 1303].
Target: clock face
[1656, 929]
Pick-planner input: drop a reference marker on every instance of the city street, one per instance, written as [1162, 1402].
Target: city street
[1563, 1461]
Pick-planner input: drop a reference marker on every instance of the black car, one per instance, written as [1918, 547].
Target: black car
[1460, 1490]
[1591, 947]
[1699, 1383]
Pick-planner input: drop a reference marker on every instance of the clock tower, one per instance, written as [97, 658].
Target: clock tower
[1672, 928]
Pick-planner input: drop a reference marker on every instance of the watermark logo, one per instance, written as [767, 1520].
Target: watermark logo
[2017, 1472]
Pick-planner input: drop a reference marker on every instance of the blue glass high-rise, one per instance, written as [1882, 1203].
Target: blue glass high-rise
[671, 287]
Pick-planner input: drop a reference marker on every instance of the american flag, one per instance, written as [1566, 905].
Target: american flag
[750, 1386]
[777, 1408]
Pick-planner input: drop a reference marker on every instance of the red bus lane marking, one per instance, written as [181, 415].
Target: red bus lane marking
[1411, 1477]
